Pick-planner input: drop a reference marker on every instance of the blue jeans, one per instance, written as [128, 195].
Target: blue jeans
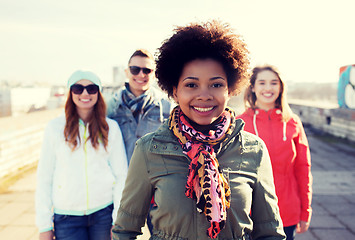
[290, 232]
[149, 220]
[96, 226]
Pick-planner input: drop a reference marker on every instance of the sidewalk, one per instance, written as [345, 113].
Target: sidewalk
[17, 211]
[333, 168]
[17, 214]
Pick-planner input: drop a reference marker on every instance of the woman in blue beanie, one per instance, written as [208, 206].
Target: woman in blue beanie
[82, 167]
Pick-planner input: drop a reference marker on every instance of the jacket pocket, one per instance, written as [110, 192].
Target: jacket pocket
[240, 182]
[241, 185]
[58, 218]
[159, 235]
[149, 123]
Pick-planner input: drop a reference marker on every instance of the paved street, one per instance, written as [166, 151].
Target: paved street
[333, 168]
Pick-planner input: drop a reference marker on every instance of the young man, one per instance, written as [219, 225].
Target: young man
[137, 107]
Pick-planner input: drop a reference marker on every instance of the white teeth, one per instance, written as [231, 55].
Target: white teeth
[267, 94]
[203, 109]
[140, 81]
[85, 100]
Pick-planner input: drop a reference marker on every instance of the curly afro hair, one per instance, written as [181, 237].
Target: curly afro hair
[210, 40]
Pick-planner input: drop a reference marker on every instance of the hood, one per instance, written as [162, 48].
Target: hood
[272, 114]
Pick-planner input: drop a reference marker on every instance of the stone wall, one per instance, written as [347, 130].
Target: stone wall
[339, 122]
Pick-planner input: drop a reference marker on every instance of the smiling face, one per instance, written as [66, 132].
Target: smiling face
[84, 102]
[267, 89]
[140, 83]
[202, 91]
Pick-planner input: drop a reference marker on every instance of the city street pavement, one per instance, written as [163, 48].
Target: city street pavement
[333, 168]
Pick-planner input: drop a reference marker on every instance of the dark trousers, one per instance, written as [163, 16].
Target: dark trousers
[96, 226]
[290, 232]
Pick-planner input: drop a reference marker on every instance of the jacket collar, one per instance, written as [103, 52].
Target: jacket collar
[152, 92]
[165, 142]
[274, 113]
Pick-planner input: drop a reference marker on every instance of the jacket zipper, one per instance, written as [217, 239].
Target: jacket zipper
[86, 170]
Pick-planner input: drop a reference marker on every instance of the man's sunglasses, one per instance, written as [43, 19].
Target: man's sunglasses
[136, 70]
[78, 88]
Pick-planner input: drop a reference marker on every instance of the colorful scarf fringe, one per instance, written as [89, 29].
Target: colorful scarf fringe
[205, 183]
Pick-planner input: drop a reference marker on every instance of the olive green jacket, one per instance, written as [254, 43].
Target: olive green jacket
[159, 168]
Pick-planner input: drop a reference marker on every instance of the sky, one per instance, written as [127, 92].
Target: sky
[46, 40]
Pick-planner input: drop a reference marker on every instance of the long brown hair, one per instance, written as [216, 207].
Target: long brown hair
[281, 101]
[98, 127]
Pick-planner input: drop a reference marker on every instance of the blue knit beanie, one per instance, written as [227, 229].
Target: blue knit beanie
[79, 75]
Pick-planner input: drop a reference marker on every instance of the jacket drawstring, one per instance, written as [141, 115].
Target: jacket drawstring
[284, 131]
[284, 138]
[254, 124]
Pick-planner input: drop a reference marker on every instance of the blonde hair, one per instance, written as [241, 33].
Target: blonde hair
[281, 101]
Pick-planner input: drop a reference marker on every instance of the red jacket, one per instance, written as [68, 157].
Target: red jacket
[291, 161]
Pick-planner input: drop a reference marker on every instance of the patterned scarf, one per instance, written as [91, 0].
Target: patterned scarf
[205, 182]
[137, 105]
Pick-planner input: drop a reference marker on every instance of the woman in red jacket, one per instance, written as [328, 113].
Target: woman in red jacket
[269, 116]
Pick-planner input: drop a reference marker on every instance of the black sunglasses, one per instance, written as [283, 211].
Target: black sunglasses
[136, 70]
[78, 88]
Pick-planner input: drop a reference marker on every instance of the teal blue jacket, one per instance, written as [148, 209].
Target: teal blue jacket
[159, 168]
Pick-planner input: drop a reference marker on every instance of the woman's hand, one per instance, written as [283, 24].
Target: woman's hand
[49, 235]
[302, 227]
